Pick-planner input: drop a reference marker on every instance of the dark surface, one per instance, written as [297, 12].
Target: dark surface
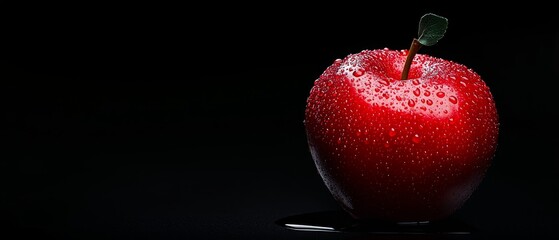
[151, 122]
[341, 221]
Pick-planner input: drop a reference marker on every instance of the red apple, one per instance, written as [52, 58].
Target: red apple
[400, 150]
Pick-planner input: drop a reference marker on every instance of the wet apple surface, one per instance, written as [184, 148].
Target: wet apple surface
[396, 149]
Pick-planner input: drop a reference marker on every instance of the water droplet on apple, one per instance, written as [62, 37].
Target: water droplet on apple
[398, 98]
[429, 102]
[415, 82]
[416, 138]
[384, 82]
[392, 132]
[463, 83]
[358, 133]
[453, 99]
[385, 95]
[358, 73]
[339, 140]
[416, 92]
[427, 93]
[377, 89]
[440, 94]
[411, 103]
[338, 61]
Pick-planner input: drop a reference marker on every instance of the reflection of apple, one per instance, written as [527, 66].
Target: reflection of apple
[400, 150]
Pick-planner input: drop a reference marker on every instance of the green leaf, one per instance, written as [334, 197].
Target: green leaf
[431, 29]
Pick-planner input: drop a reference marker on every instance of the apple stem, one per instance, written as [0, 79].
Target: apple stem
[415, 46]
[431, 29]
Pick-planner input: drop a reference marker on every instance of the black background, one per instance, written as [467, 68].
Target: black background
[186, 122]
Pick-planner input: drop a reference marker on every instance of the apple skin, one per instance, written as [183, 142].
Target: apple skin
[400, 150]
